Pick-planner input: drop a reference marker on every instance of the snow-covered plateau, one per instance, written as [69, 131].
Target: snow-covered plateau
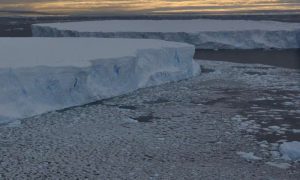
[203, 33]
[43, 74]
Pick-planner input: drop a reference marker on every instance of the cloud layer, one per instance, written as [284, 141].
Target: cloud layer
[146, 6]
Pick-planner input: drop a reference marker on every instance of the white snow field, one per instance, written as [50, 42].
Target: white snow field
[43, 74]
[203, 33]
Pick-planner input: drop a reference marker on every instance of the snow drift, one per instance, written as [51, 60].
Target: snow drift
[203, 33]
[43, 74]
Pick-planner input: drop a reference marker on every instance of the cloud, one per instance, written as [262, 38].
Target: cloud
[146, 6]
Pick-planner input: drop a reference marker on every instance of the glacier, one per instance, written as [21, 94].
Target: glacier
[203, 33]
[38, 75]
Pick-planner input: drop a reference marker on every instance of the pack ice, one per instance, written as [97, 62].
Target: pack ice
[203, 33]
[43, 74]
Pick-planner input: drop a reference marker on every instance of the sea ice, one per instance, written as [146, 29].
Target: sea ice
[290, 150]
[249, 156]
[279, 165]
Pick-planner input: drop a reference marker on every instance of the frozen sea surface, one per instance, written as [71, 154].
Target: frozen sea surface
[192, 129]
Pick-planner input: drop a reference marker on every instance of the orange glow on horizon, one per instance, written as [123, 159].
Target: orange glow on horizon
[151, 6]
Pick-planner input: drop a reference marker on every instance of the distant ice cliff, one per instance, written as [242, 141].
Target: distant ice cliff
[203, 33]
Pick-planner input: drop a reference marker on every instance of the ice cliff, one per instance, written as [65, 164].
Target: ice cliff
[43, 74]
[203, 33]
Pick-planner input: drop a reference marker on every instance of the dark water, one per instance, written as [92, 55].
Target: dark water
[283, 58]
[279, 110]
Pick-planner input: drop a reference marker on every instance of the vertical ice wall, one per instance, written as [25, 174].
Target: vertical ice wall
[55, 73]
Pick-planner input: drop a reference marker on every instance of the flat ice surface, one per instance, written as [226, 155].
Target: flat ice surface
[38, 75]
[203, 33]
[189, 26]
[55, 52]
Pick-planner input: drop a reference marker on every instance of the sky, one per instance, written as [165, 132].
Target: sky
[70, 7]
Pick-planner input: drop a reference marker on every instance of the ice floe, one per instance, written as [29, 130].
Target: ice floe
[290, 150]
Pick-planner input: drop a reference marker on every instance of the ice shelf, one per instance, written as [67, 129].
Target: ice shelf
[203, 33]
[38, 75]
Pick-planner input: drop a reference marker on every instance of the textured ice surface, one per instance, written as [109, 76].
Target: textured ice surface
[203, 33]
[43, 74]
[180, 130]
